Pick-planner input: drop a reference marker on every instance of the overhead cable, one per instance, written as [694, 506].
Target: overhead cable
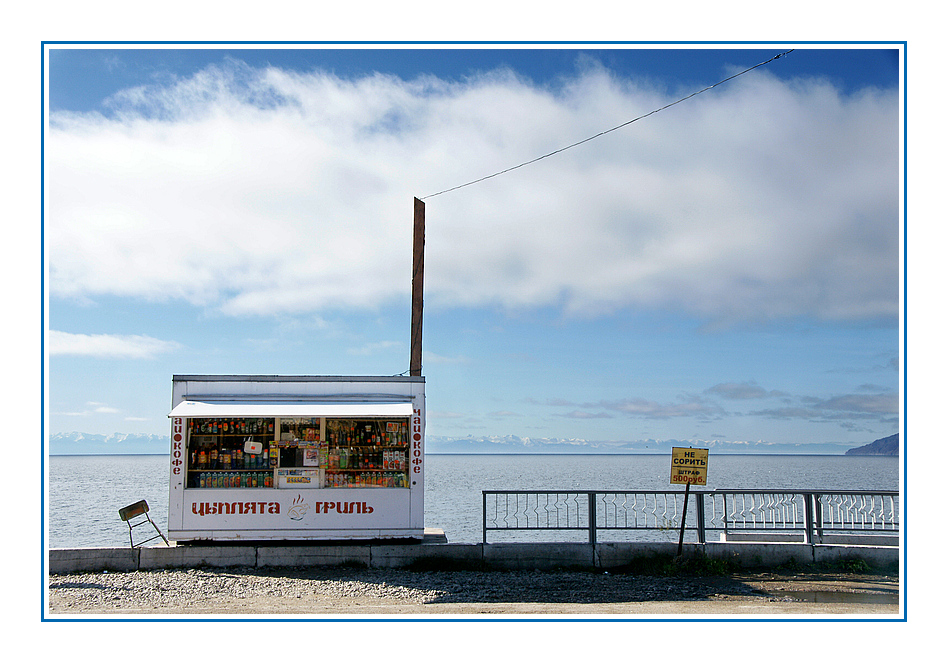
[603, 133]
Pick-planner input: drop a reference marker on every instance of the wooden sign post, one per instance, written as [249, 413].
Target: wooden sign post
[417, 287]
[688, 466]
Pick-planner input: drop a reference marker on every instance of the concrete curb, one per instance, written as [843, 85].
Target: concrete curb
[78, 560]
[178, 557]
[511, 556]
[313, 555]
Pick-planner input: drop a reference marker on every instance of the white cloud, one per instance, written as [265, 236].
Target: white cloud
[580, 414]
[260, 192]
[847, 407]
[91, 409]
[690, 407]
[107, 345]
[742, 391]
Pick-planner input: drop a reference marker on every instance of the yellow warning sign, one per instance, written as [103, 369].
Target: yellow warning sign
[689, 466]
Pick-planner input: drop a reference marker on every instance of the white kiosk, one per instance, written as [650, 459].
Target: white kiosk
[296, 458]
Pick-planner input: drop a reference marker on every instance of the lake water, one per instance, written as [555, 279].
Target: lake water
[86, 492]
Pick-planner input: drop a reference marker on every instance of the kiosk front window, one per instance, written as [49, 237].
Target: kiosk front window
[321, 452]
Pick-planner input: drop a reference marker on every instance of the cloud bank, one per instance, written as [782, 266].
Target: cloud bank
[107, 345]
[265, 191]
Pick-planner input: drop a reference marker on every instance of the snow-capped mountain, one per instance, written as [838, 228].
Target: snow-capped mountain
[115, 443]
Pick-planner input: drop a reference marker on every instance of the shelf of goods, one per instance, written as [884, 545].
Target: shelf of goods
[230, 453]
[365, 454]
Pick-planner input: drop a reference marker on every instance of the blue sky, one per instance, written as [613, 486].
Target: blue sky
[725, 270]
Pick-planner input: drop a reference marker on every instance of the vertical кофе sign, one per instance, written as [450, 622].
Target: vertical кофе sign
[689, 466]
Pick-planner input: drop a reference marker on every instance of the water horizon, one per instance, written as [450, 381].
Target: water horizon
[85, 491]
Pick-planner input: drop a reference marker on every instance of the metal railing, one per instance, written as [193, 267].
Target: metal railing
[792, 511]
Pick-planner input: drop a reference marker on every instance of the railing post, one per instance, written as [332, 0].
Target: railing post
[591, 498]
[724, 511]
[818, 517]
[807, 519]
[699, 515]
[810, 526]
[484, 514]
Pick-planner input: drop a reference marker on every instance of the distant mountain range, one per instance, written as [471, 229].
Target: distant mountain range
[513, 444]
[132, 443]
[67, 444]
[886, 446]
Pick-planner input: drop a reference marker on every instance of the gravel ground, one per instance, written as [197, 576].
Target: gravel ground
[340, 590]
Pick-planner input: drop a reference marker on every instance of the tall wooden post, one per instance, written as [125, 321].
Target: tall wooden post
[417, 286]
